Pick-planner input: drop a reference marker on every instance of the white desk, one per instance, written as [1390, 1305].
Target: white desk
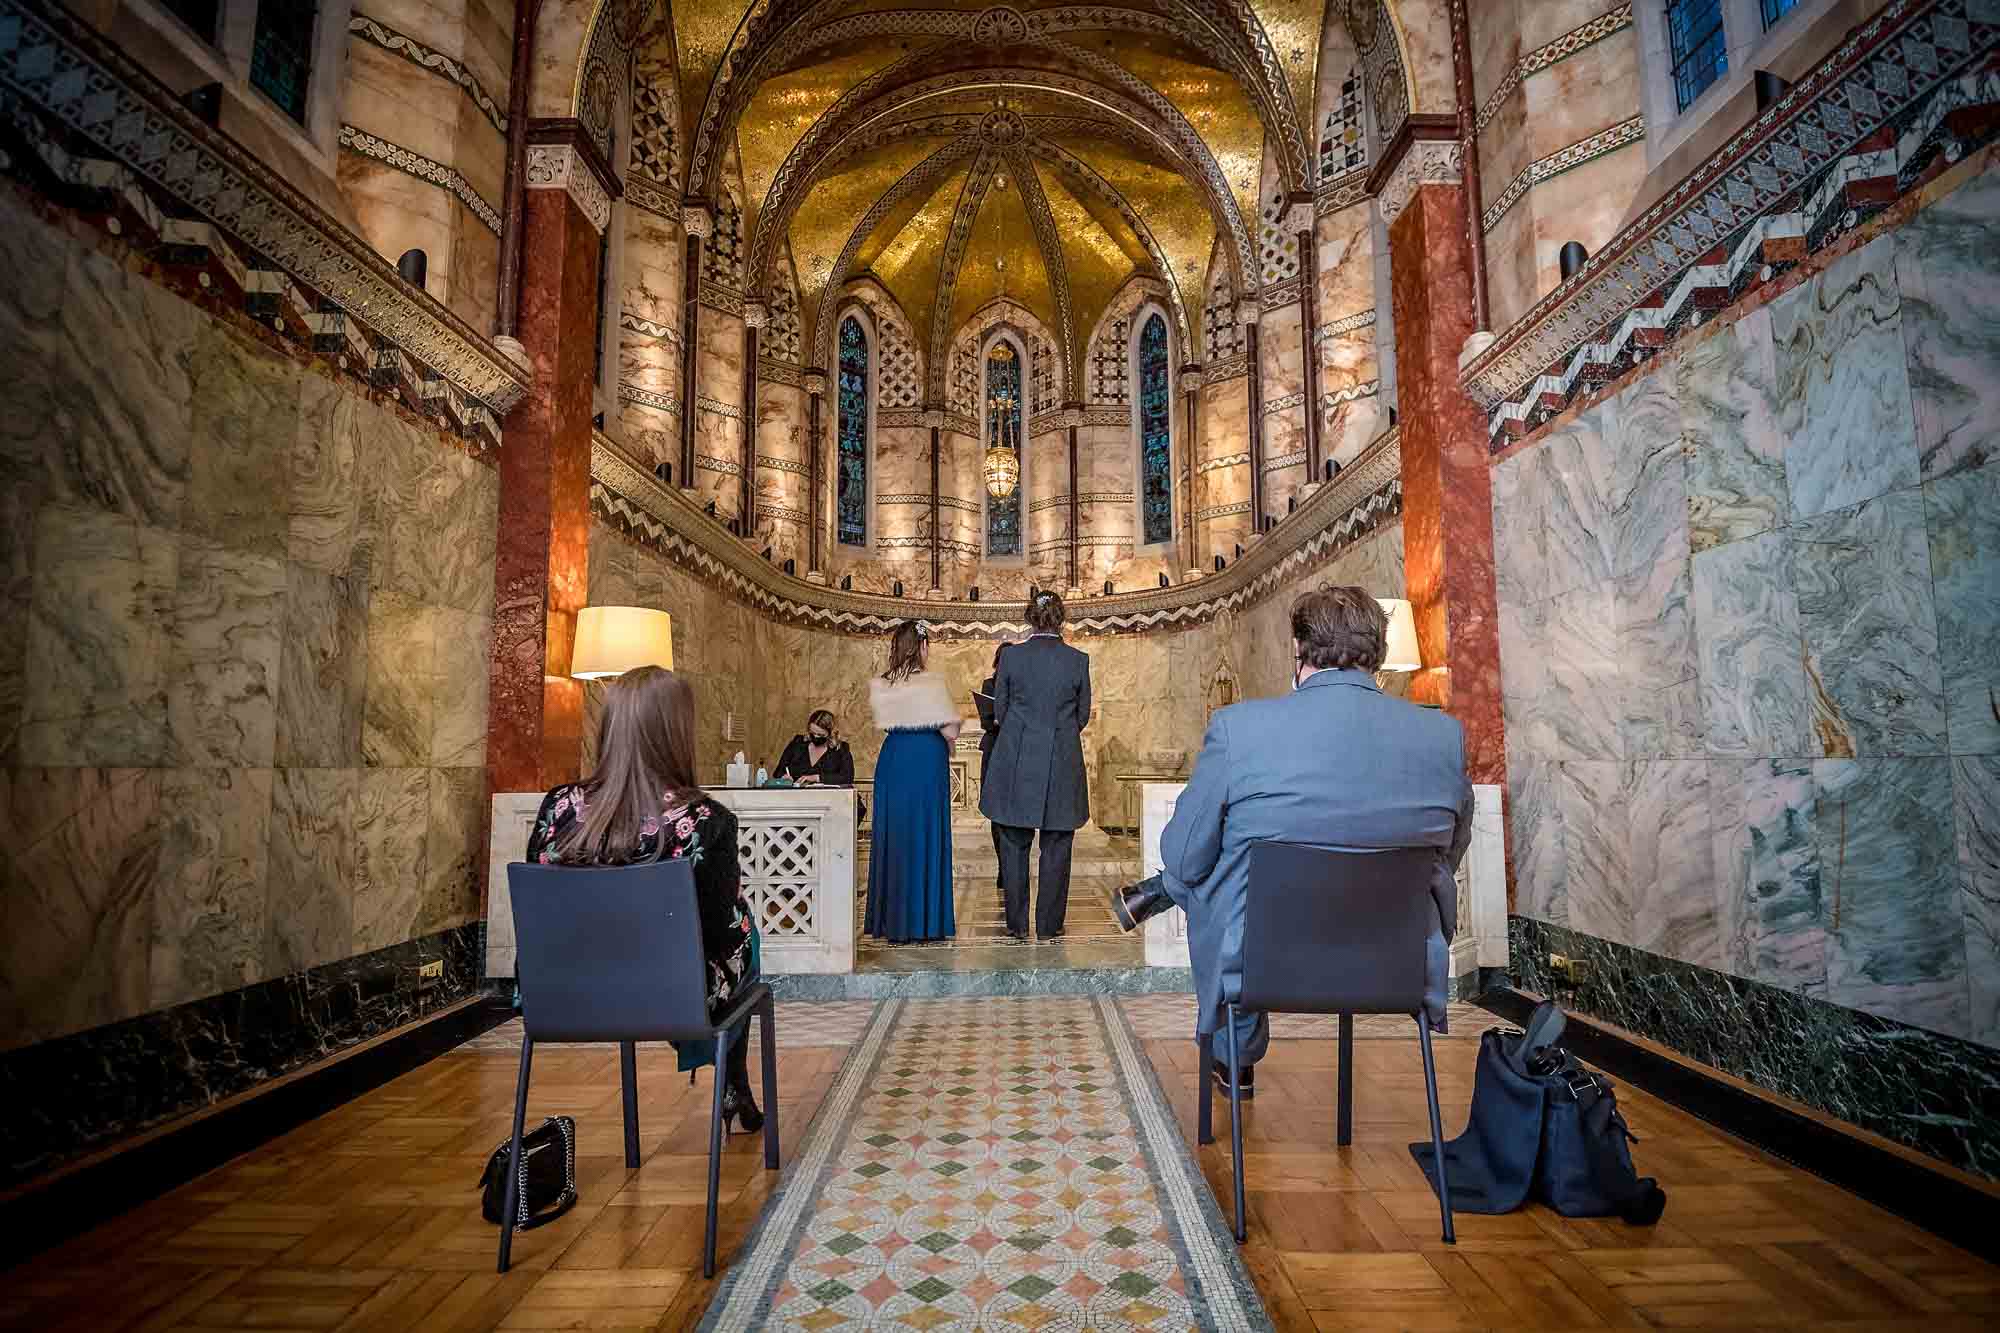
[796, 849]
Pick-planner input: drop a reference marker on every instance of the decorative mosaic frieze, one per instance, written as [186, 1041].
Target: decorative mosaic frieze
[1584, 150]
[93, 118]
[1228, 368]
[728, 467]
[1613, 21]
[378, 33]
[412, 163]
[659, 402]
[554, 166]
[703, 403]
[779, 372]
[646, 328]
[659, 200]
[1276, 295]
[1352, 393]
[924, 500]
[1284, 402]
[1222, 511]
[1334, 195]
[1283, 461]
[791, 465]
[1226, 460]
[782, 512]
[1907, 91]
[1344, 325]
[1366, 494]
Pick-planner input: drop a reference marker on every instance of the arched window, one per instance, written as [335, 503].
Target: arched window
[851, 472]
[1156, 441]
[1004, 381]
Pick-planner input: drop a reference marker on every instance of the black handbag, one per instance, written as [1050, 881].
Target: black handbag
[1542, 1126]
[548, 1175]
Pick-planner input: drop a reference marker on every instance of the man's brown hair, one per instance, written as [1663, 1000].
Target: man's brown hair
[1340, 627]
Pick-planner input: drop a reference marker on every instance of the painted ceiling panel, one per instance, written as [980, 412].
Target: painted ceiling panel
[1165, 202]
[1098, 262]
[839, 200]
[1002, 232]
[785, 107]
[908, 263]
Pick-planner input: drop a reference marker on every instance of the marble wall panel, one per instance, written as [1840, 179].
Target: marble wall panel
[1726, 386]
[17, 588]
[392, 821]
[1843, 382]
[1962, 521]
[82, 867]
[454, 848]
[95, 672]
[1889, 868]
[1868, 627]
[1540, 840]
[1520, 531]
[1585, 702]
[461, 643]
[404, 476]
[1753, 686]
[1280, 352]
[1597, 880]
[123, 394]
[1770, 913]
[1511, 272]
[464, 507]
[1585, 203]
[1951, 325]
[310, 868]
[1975, 784]
[1658, 681]
[323, 668]
[328, 525]
[1344, 244]
[37, 257]
[222, 658]
[208, 905]
[388, 96]
[1582, 94]
[401, 692]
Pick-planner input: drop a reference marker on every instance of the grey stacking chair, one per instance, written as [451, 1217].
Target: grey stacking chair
[614, 954]
[1328, 932]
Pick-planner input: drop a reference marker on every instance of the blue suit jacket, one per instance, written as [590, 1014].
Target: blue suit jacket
[1337, 764]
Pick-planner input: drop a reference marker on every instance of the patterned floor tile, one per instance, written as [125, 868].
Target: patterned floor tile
[800, 1023]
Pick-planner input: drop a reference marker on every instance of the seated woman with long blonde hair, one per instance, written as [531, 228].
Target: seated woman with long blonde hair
[643, 804]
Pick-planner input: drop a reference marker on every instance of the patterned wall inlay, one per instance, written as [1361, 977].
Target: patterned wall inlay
[732, 411]
[791, 465]
[412, 163]
[375, 31]
[1345, 324]
[1226, 460]
[661, 402]
[1615, 20]
[1343, 139]
[646, 328]
[1366, 494]
[1584, 150]
[1883, 111]
[82, 109]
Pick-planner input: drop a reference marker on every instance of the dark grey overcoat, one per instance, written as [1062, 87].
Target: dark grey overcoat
[1041, 699]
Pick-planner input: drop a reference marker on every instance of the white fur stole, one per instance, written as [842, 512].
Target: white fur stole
[918, 701]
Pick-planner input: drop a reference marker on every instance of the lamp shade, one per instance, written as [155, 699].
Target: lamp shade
[1402, 654]
[611, 640]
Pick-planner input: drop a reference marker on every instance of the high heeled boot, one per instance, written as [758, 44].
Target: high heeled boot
[737, 1103]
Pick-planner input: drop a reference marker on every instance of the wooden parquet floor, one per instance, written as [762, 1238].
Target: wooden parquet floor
[367, 1218]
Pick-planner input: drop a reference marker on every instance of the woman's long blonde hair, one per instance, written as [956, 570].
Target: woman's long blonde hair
[645, 765]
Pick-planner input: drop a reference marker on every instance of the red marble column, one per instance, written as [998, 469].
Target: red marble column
[1447, 491]
[541, 574]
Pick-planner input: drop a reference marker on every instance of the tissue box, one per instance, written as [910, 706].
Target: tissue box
[736, 775]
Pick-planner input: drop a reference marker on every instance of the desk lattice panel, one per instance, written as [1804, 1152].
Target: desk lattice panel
[780, 875]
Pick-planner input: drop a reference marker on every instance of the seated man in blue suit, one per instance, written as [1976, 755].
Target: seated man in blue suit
[1335, 763]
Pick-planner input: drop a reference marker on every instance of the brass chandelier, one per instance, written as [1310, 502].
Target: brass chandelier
[1003, 459]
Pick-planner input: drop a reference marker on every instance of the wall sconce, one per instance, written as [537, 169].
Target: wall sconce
[1332, 469]
[611, 640]
[1769, 89]
[665, 472]
[896, 588]
[972, 593]
[412, 267]
[791, 567]
[847, 583]
[1219, 563]
[1571, 259]
[1164, 583]
[1107, 587]
[1402, 654]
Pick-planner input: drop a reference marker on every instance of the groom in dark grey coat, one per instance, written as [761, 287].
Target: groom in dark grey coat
[1035, 778]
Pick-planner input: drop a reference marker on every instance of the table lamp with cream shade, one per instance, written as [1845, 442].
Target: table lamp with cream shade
[611, 640]
[1402, 654]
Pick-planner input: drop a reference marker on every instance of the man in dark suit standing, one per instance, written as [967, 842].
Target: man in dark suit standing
[1035, 778]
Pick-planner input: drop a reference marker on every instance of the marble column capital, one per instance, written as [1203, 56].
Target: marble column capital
[1249, 310]
[756, 314]
[1424, 162]
[934, 419]
[697, 220]
[1299, 215]
[563, 156]
[1192, 380]
[814, 383]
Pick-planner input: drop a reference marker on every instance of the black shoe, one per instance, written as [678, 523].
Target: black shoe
[1221, 1072]
[1136, 902]
[738, 1105]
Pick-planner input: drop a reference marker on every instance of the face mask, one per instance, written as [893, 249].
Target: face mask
[818, 737]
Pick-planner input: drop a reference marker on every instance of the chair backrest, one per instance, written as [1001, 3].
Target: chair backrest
[1329, 932]
[609, 953]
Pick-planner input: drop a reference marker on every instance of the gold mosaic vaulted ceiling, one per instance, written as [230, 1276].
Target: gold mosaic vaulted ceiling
[956, 151]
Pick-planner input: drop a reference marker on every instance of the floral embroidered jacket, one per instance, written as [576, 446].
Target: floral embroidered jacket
[702, 831]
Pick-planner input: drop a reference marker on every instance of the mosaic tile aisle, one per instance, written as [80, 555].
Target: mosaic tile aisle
[988, 1162]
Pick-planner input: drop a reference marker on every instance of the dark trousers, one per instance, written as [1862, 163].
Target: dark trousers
[1052, 897]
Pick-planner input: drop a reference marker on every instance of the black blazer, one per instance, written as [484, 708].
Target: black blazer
[834, 769]
[1041, 700]
[989, 726]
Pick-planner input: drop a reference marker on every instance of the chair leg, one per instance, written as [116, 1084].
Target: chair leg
[628, 1076]
[1204, 1127]
[714, 1153]
[511, 1199]
[1344, 1125]
[1437, 1129]
[1236, 1125]
[767, 1019]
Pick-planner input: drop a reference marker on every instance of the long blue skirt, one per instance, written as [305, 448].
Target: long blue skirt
[909, 858]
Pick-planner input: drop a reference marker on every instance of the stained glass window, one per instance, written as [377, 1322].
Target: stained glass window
[199, 15]
[851, 497]
[1156, 406]
[281, 53]
[1698, 47]
[1776, 9]
[1003, 428]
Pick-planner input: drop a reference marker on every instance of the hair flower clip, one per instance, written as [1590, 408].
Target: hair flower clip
[923, 630]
